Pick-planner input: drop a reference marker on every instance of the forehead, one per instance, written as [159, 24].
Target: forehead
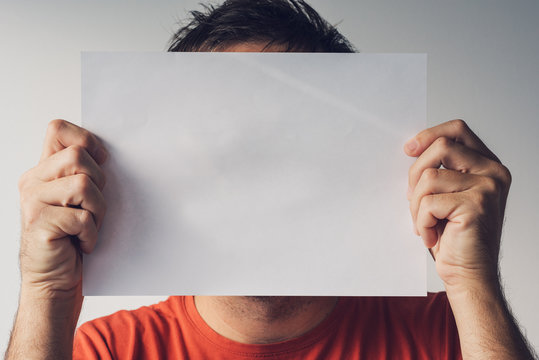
[254, 47]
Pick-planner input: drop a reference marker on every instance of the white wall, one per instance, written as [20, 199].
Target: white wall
[483, 67]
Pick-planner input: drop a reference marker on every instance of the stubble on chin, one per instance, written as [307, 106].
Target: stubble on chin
[268, 308]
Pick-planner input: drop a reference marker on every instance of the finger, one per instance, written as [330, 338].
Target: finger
[62, 134]
[65, 221]
[70, 161]
[436, 181]
[76, 190]
[453, 156]
[456, 130]
[434, 210]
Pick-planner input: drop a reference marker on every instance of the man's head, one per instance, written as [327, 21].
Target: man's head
[258, 26]
[244, 25]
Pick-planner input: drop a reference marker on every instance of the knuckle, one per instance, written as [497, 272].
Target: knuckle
[505, 175]
[26, 201]
[85, 140]
[56, 125]
[430, 174]
[23, 180]
[83, 183]
[30, 216]
[27, 196]
[491, 185]
[459, 125]
[443, 142]
[413, 172]
[76, 154]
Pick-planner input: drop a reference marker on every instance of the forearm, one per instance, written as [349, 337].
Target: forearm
[44, 327]
[52, 237]
[487, 330]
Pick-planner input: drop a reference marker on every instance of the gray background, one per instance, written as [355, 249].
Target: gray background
[482, 67]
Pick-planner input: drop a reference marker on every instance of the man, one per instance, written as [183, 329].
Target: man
[458, 211]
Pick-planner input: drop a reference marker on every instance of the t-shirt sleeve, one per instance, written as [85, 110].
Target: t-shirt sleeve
[90, 344]
[140, 333]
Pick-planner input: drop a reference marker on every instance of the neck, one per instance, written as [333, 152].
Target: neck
[263, 319]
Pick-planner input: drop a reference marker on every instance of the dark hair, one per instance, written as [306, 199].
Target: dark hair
[292, 24]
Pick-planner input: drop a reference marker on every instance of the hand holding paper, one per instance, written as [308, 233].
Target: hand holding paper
[61, 199]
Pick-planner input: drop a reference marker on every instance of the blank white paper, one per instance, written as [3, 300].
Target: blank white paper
[255, 173]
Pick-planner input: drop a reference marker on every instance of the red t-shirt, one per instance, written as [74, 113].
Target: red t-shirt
[357, 328]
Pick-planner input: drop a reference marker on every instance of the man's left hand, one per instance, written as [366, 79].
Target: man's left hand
[458, 209]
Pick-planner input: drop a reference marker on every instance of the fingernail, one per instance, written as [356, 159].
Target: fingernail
[100, 155]
[411, 145]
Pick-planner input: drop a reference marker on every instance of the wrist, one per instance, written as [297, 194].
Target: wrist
[44, 326]
[461, 282]
[57, 309]
[482, 288]
[485, 325]
[471, 301]
[44, 289]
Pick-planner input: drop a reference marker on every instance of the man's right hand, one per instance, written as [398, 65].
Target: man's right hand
[62, 209]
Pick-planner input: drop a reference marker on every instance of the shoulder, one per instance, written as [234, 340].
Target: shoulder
[129, 320]
[126, 329]
[431, 324]
[422, 327]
